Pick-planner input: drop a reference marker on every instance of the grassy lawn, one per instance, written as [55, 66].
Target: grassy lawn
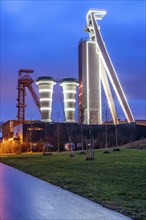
[115, 180]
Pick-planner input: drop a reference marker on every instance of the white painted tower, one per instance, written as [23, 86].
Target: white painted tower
[90, 85]
[45, 84]
[69, 86]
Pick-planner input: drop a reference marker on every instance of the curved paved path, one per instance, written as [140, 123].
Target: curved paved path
[24, 197]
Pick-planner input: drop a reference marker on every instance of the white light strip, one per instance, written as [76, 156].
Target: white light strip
[69, 109]
[100, 94]
[46, 82]
[46, 120]
[45, 108]
[108, 93]
[69, 100]
[100, 13]
[45, 90]
[117, 93]
[69, 83]
[45, 99]
[69, 91]
[87, 60]
[92, 17]
[108, 96]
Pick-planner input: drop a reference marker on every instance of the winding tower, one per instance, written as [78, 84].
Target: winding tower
[25, 81]
[96, 68]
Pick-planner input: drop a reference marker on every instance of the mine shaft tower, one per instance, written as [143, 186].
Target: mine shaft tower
[25, 80]
[95, 67]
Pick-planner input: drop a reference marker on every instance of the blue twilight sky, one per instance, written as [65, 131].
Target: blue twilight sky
[44, 36]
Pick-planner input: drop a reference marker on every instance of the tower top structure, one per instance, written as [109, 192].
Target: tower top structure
[25, 81]
[98, 13]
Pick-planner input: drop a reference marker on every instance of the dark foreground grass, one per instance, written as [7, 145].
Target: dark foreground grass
[115, 180]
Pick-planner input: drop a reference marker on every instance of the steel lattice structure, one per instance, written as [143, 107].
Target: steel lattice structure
[25, 81]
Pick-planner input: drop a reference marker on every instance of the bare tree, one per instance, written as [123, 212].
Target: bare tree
[81, 129]
[91, 144]
[68, 132]
[116, 148]
[106, 114]
[1, 126]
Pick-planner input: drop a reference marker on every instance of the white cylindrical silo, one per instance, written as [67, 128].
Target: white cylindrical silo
[45, 85]
[69, 92]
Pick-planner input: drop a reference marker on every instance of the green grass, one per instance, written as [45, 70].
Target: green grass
[115, 180]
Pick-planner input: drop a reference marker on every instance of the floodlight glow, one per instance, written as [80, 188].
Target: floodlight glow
[69, 100]
[69, 109]
[88, 116]
[45, 90]
[69, 91]
[45, 99]
[45, 108]
[69, 83]
[44, 82]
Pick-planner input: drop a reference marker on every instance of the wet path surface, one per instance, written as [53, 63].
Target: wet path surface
[24, 197]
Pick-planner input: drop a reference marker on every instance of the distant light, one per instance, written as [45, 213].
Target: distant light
[46, 120]
[46, 82]
[45, 99]
[45, 90]
[45, 108]
[69, 91]
[69, 109]
[69, 100]
[69, 83]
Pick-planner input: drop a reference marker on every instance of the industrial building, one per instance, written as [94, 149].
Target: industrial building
[95, 71]
[33, 134]
[8, 129]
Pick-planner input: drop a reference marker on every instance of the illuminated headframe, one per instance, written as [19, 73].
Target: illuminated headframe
[69, 92]
[46, 92]
[106, 68]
